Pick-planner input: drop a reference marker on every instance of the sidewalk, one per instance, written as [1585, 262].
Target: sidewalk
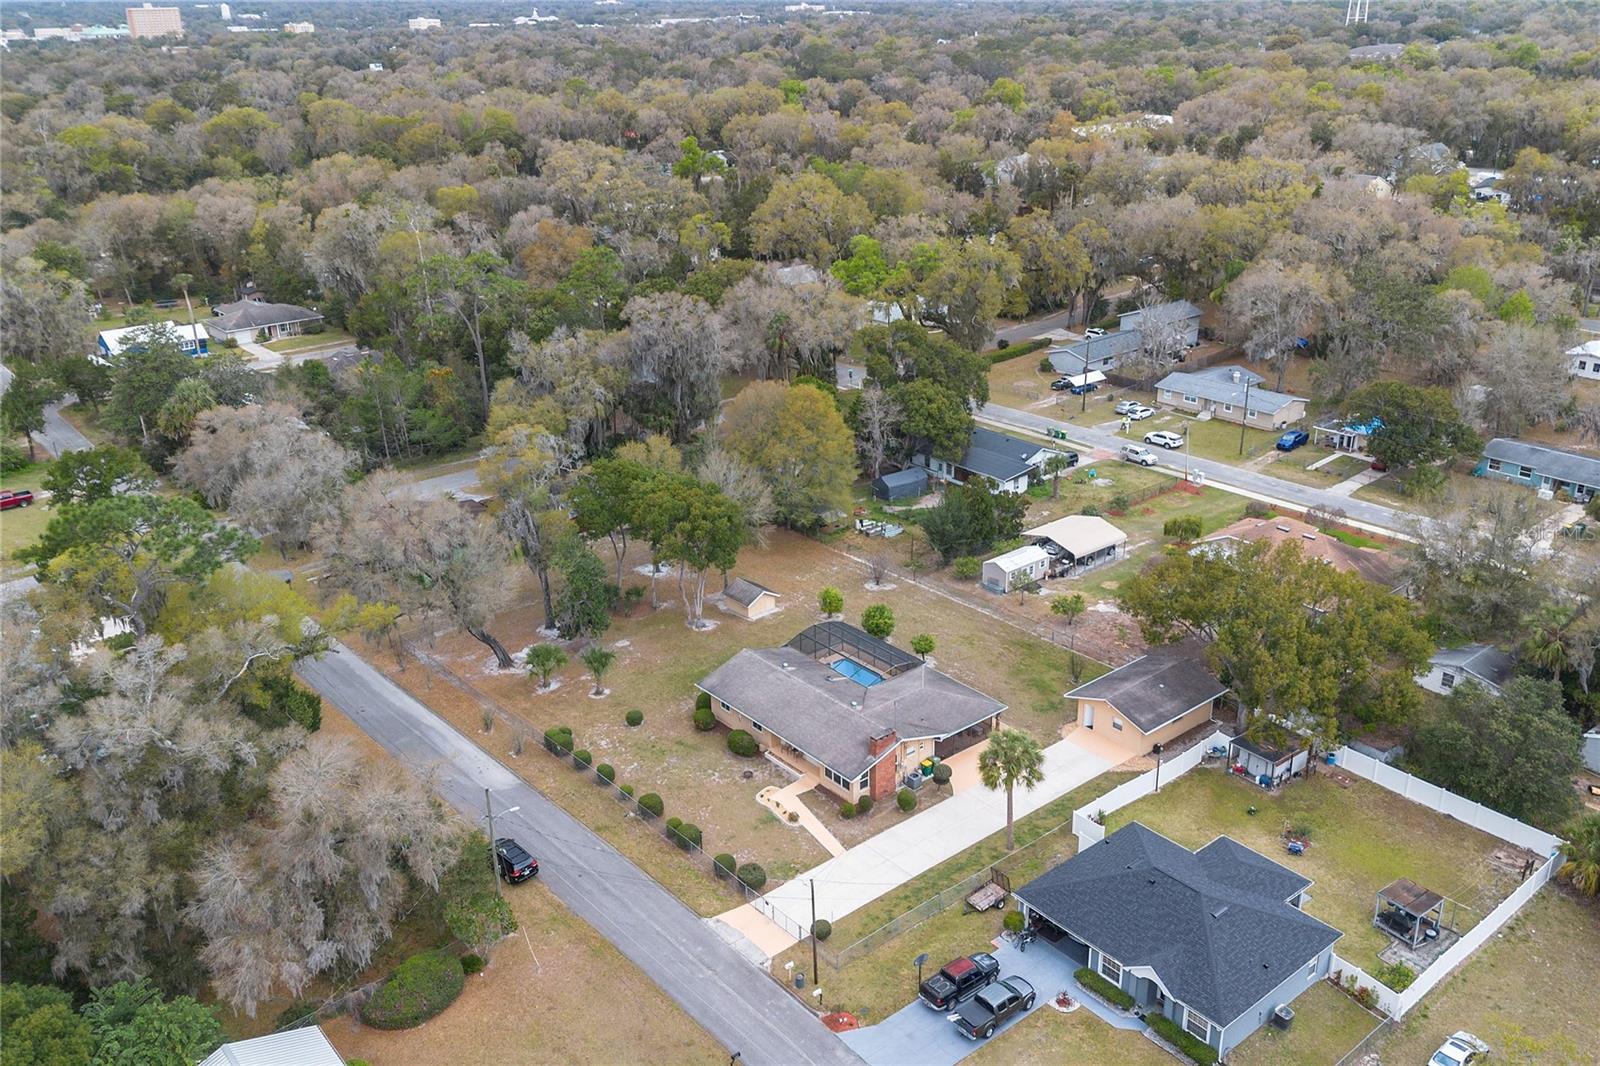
[901, 852]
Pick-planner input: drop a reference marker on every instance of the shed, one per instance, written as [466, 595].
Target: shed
[901, 484]
[1267, 766]
[1408, 912]
[1022, 566]
[749, 600]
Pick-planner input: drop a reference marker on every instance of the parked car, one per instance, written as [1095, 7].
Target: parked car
[1088, 386]
[1165, 438]
[1124, 406]
[1093, 331]
[1379, 465]
[982, 1014]
[1141, 412]
[1061, 385]
[16, 498]
[959, 980]
[1136, 453]
[1461, 1049]
[1293, 439]
[513, 861]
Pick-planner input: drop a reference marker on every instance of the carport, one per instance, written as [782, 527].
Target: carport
[1078, 542]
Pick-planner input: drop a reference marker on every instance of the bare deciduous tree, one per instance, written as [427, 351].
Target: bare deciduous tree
[876, 417]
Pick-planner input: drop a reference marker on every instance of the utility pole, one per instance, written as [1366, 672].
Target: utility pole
[494, 860]
[1244, 416]
[816, 978]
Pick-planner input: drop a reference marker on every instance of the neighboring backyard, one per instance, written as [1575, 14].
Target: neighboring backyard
[20, 527]
[1362, 838]
[1327, 1024]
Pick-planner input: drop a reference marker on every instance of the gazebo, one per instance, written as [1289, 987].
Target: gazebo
[1408, 912]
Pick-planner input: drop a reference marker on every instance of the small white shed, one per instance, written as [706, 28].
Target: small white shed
[1021, 565]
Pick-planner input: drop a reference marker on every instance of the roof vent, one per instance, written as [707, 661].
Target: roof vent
[1220, 911]
[1309, 536]
[1281, 528]
[855, 703]
[786, 665]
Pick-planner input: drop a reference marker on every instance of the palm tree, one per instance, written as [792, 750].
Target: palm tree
[598, 660]
[1012, 758]
[1581, 850]
[182, 282]
[1548, 639]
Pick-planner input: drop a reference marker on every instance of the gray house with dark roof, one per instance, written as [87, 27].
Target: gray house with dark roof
[1213, 939]
[1094, 353]
[856, 711]
[1008, 463]
[245, 320]
[1483, 663]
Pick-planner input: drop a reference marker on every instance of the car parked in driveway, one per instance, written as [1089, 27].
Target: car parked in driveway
[1137, 453]
[1061, 385]
[15, 498]
[1092, 332]
[513, 861]
[1124, 406]
[1292, 440]
[1165, 438]
[958, 980]
[1462, 1049]
[984, 1012]
[1140, 413]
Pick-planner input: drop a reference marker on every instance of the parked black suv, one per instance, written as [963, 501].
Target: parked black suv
[513, 861]
[958, 980]
[993, 1005]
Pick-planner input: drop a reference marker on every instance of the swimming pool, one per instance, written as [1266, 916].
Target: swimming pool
[856, 672]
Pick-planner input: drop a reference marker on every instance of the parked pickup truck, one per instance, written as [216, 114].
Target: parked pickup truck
[15, 498]
[984, 1012]
[959, 980]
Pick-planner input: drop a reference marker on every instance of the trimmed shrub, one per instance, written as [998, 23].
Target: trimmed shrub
[558, 741]
[1045, 365]
[723, 866]
[674, 822]
[822, 929]
[1089, 509]
[864, 804]
[581, 759]
[752, 876]
[650, 805]
[702, 701]
[605, 772]
[704, 720]
[634, 718]
[627, 792]
[686, 836]
[1180, 1038]
[847, 810]
[742, 744]
[1013, 921]
[1257, 509]
[878, 620]
[471, 964]
[942, 774]
[966, 567]
[419, 989]
[906, 799]
[1103, 988]
[1119, 503]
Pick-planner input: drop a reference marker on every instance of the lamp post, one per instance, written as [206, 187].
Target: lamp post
[1244, 416]
[494, 860]
[920, 959]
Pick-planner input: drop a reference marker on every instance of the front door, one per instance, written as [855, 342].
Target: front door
[1088, 716]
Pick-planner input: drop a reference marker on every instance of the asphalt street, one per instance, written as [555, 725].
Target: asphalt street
[1233, 478]
[59, 435]
[742, 1008]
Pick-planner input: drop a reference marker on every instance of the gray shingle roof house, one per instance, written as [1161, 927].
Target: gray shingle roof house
[1095, 353]
[1214, 939]
[1005, 461]
[1555, 469]
[855, 710]
[1369, 52]
[244, 319]
[1221, 391]
[1483, 663]
[1153, 700]
[1181, 314]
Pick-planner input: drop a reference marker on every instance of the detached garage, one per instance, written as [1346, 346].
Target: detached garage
[1021, 566]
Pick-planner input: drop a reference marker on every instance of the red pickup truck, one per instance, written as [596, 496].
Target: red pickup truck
[15, 498]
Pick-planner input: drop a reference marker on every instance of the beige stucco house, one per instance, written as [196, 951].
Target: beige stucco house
[1153, 700]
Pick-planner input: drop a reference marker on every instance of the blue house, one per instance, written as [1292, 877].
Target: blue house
[1213, 939]
[1544, 468]
[192, 340]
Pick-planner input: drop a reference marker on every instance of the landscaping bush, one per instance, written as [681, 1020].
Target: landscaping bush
[1045, 365]
[1103, 988]
[847, 810]
[419, 989]
[752, 876]
[702, 702]
[864, 804]
[1120, 503]
[12, 457]
[627, 792]
[581, 759]
[704, 720]
[830, 600]
[471, 964]
[635, 718]
[906, 799]
[650, 805]
[673, 823]
[298, 1015]
[878, 620]
[1002, 344]
[822, 929]
[942, 774]
[605, 772]
[742, 744]
[1396, 975]
[723, 866]
[1013, 921]
[686, 835]
[1257, 509]
[1179, 1037]
[1089, 509]
[558, 741]
[1182, 527]
[966, 567]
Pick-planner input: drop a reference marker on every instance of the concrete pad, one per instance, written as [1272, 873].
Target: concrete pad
[1101, 746]
[786, 800]
[758, 929]
[964, 768]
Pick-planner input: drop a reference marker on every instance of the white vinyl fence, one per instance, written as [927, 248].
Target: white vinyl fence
[1395, 1004]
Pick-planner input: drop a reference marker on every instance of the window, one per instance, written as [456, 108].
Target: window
[1524, 471]
[863, 782]
[756, 726]
[1447, 680]
[1249, 414]
[1116, 723]
[1494, 465]
[1197, 1026]
[1311, 967]
[1582, 365]
[1111, 969]
[1227, 407]
[837, 778]
[1189, 399]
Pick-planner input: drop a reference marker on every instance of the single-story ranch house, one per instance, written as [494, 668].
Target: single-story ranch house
[1094, 353]
[1374, 564]
[854, 710]
[1546, 469]
[1180, 316]
[1008, 463]
[1483, 663]
[1213, 939]
[1232, 394]
[1586, 360]
[113, 342]
[245, 320]
[1153, 700]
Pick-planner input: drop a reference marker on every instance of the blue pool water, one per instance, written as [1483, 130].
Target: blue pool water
[856, 672]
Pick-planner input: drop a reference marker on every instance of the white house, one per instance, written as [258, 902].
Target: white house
[423, 24]
[1586, 360]
[1018, 567]
[1483, 663]
[1007, 463]
[306, 1046]
[192, 340]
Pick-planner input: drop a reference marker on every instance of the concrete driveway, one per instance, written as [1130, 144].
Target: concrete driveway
[916, 1035]
[922, 841]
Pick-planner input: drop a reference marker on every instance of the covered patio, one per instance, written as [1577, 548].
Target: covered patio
[1408, 912]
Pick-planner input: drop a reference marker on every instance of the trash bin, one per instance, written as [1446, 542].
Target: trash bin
[1283, 1016]
[1332, 758]
[799, 978]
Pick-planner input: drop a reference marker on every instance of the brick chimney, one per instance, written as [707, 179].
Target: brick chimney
[881, 785]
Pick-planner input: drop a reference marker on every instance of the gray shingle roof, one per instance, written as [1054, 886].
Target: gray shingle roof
[998, 455]
[1223, 389]
[1155, 688]
[1074, 358]
[249, 314]
[743, 590]
[1484, 661]
[1212, 925]
[832, 719]
[1557, 463]
[1172, 311]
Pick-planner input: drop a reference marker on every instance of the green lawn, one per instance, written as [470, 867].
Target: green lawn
[21, 526]
[1362, 838]
[1210, 438]
[1327, 1024]
[326, 339]
[1292, 466]
[1048, 1038]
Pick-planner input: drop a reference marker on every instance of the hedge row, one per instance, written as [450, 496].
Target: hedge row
[1180, 1038]
[419, 989]
[1103, 988]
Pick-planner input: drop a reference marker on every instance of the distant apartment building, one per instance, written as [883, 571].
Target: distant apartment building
[225, 12]
[298, 27]
[152, 21]
[423, 24]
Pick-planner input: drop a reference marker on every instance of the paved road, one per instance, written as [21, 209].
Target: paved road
[740, 1007]
[59, 435]
[1233, 478]
[465, 481]
[1038, 327]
